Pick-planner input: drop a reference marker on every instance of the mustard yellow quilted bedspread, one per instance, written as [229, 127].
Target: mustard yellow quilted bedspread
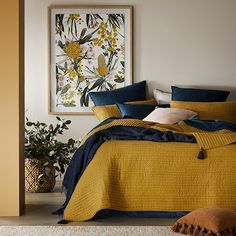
[152, 176]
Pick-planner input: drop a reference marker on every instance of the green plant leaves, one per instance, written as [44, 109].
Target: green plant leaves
[68, 122]
[41, 143]
[46, 164]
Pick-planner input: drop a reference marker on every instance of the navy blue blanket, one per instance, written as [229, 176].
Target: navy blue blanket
[85, 153]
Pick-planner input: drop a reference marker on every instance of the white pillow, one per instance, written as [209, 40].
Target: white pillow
[170, 115]
[162, 97]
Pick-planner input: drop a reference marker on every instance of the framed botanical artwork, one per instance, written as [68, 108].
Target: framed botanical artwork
[90, 50]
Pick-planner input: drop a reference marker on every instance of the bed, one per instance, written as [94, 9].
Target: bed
[130, 165]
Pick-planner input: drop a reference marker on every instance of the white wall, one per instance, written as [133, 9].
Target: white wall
[176, 42]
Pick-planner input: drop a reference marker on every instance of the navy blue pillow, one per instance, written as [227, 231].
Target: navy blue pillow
[136, 111]
[198, 95]
[163, 105]
[135, 92]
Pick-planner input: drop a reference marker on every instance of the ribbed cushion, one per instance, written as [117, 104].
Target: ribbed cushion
[104, 112]
[225, 111]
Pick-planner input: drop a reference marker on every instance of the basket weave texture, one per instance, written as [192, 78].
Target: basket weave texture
[33, 169]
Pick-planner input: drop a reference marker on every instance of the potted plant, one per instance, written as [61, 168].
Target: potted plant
[45, 154]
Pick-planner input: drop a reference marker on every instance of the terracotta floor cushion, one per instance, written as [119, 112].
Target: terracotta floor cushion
[212, 221]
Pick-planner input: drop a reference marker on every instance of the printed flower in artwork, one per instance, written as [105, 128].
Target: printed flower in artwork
[61, 81]
[102, 67]
[72, 73]
[89, 56]
[74, 16]
[72, 50]
[122, 49]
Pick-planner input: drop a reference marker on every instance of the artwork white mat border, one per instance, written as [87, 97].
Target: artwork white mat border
[127, 10]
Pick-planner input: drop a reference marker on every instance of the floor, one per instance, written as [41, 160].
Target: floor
[40, 205]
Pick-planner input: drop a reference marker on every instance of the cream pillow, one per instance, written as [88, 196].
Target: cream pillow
[162, 97]
[170, 115]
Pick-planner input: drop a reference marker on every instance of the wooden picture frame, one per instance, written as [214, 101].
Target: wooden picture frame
[90, 49]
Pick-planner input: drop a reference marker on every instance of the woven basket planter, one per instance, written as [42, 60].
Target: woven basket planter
[33, 169]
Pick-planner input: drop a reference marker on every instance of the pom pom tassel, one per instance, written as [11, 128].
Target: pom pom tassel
[190, 230]
[201, 154]
[209, 233]
[183, 229]
[196, 232]
[176, 227]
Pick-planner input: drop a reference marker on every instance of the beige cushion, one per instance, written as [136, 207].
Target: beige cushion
[162, 97]
[169, 115]
[209, 221]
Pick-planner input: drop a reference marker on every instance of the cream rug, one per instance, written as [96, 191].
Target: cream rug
[86, 231]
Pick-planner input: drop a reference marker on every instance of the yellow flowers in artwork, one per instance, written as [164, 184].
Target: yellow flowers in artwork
[107, 36]
[74, 16]
[102, 67]
[72, 50]
[72, 73]
[90, 56]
